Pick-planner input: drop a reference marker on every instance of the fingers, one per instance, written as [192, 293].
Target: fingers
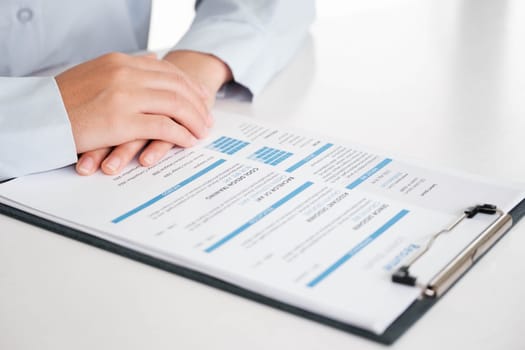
[146, 72]
[160, 127]
[116, 99]
[121, 156]
[174, 106]
[112, 162]
[89, 162]
[147, 63]
[154, 152]
[151, 63]
[173, 83]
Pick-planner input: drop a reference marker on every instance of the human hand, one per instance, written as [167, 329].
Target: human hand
[203, 70]
[116, 99]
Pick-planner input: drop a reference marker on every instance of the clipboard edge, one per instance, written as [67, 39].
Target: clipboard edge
[399, 327]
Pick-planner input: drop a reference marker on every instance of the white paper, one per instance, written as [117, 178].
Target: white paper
[315, 223]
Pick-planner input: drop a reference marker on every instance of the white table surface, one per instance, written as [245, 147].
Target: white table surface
[440, 81]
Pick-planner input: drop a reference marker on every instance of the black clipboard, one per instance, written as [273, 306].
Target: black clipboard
[415, 311]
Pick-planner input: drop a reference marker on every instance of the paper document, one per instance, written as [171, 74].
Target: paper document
[315, 223]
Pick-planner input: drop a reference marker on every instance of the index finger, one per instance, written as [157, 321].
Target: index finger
[152, 63]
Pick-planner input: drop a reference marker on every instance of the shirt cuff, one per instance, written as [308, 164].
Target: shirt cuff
[35, 132]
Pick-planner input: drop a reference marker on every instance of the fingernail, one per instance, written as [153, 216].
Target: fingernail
[150, 159]
[85, 166]
[112, 164]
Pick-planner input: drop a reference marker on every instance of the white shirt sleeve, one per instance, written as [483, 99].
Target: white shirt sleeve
[255, 38]
[35, 133]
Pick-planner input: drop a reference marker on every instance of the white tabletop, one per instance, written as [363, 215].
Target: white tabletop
[439, 81]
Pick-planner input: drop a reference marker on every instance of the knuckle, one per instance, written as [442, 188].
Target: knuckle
[181, 137]
[115, 57]
[165, 128]
[119, 73]
[187, 139]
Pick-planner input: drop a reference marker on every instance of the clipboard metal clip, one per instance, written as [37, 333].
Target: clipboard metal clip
[457, 266]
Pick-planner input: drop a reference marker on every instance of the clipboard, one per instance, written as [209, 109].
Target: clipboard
[431, 293]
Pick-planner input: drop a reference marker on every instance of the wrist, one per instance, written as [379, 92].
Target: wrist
[207, 69]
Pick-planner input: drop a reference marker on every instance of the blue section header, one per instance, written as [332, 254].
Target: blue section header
[309, 158]
[258, 217]
[357, 248]
[369, 173]
[167, 192]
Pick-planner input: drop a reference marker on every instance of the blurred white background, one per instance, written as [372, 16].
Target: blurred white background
[170, 19]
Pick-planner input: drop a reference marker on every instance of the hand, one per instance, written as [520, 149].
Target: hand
[116, 99]
[203, 70]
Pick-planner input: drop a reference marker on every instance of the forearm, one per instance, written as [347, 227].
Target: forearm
[35, 133]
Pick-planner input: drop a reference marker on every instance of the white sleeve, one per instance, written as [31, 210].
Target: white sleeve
[255, 38]
[35, 133]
